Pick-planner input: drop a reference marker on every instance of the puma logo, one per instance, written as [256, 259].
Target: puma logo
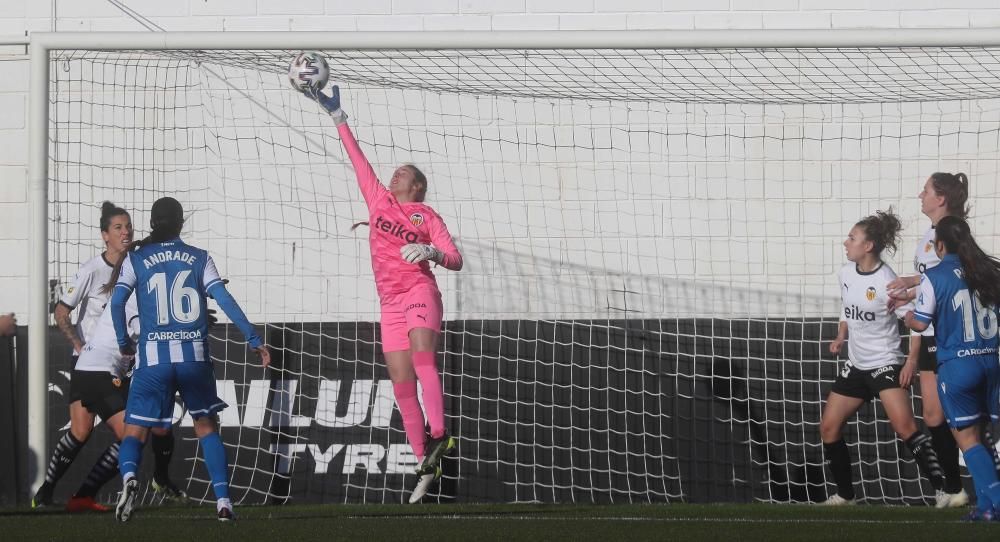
[422, 317]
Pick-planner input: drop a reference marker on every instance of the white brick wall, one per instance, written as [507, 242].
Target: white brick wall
[793, 20]
[865, 19]
[934, 18]
[629, 6]
[353, 8]
[287, 7]
[17, 16]
[521, 21]
[20, 16]
[234, 8]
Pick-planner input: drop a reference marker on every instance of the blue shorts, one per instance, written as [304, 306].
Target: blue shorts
[969, 389]
[151, 395]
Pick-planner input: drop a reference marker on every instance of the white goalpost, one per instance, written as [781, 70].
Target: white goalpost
[651, 224]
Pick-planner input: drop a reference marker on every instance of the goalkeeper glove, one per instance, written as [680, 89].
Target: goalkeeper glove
[330, 103]
[416, 253]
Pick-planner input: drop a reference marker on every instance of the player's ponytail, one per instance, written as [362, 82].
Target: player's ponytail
[108, 211]
[982, 271]
[116, 272]
[882, 229]
[955, 189]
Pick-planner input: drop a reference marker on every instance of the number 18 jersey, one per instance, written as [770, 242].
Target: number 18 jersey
[963, 327]
[170, 281]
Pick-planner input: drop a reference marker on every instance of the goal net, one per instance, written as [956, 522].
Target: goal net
[651, 242]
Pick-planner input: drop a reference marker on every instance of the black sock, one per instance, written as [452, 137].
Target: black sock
[992, 447]
[163, 451]
[103, 472]
[839, 459]
[947, 452]
[62, 457]
[927, 460]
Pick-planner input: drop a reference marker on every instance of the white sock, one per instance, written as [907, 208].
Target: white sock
[127, 477]
[223, 503]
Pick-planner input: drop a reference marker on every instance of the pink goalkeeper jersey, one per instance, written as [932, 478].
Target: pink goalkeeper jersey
[392, 225]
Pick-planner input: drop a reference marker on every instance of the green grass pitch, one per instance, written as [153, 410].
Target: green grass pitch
[680, 522]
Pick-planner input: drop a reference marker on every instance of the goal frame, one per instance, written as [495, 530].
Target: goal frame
[41, 44]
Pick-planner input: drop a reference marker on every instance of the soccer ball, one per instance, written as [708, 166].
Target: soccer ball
[308, 71]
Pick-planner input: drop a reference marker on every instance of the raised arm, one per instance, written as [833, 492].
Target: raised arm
[370, 186]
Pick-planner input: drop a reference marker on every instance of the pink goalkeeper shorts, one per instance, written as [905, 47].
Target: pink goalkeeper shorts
[420, 307]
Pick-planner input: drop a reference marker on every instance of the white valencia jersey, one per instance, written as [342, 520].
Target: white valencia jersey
[85, 295]
[101, 353]
[925, 258]
[872, 331]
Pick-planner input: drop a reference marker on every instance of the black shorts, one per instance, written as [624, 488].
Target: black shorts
[101, 393]
[927, 361]
[862, 384]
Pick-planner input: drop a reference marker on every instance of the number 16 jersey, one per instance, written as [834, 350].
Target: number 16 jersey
[170, 281]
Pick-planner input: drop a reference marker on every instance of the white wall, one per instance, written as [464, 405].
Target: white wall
[20, 16]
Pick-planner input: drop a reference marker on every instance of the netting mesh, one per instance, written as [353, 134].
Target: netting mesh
[821, 75]
[651, 239]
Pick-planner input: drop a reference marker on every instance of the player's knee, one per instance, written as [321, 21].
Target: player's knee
[904, 428]
[829, 430]
[137, 432]
[967, 437]
[160, 431]
[206, 425]
[933, 415]
[81, 432]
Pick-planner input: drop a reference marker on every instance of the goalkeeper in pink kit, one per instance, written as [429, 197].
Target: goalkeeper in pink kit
[406, 236]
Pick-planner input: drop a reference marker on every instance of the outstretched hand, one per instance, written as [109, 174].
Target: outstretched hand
[331, 103]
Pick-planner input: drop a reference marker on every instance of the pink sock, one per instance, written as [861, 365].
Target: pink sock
[413, 417]
[430, 381]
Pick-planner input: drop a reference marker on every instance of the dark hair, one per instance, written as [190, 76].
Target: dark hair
[955, 189]
[882, 229]
[108, 211]
[116, 272]
[982, 271]
[166, 219]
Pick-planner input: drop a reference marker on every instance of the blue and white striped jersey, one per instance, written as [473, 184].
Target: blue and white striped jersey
[172, 282]
[963, 327]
